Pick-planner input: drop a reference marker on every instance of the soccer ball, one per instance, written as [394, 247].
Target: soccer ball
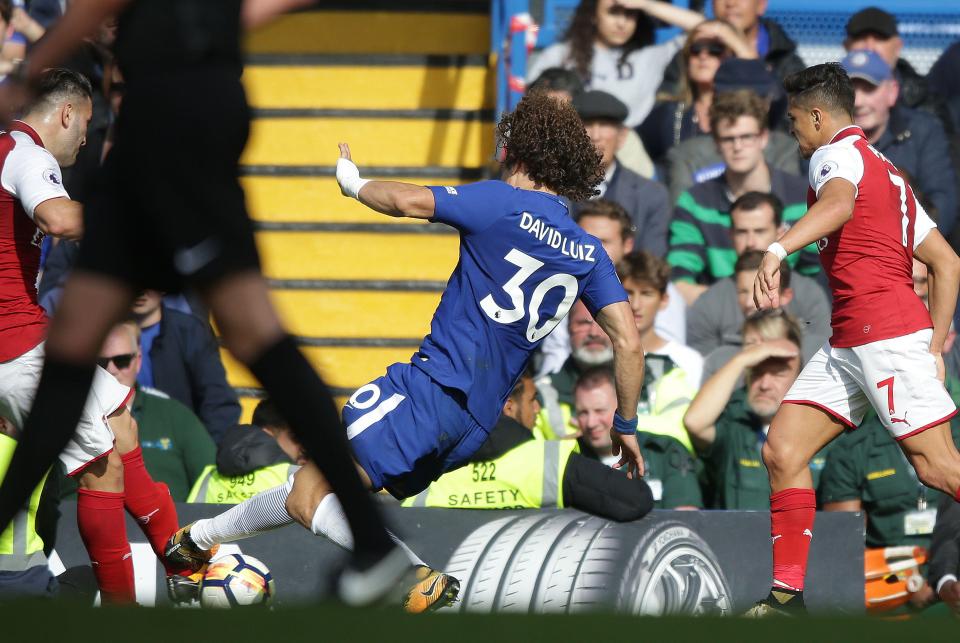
[236, 580]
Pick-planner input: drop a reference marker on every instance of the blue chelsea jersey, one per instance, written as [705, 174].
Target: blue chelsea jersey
[523, 264]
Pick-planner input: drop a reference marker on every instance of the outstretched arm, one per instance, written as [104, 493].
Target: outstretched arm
[392, 198]
[617, 322]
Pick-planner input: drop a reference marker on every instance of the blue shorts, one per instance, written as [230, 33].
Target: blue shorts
[406, 430]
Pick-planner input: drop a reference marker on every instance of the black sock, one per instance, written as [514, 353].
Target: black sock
[786, 598]
[306, 404]
[56, 411]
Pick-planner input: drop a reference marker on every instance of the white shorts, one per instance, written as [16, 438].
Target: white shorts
[93, 438]
[897, 376]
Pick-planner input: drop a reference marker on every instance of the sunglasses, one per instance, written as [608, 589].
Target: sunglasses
[712, 47]
[120, 361]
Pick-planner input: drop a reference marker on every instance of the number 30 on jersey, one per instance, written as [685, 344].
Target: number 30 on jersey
[527, 266]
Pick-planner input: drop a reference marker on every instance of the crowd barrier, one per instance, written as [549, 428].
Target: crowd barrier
[548, 561]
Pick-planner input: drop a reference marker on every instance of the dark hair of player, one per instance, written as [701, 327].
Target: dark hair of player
[750, 261]
[753, 200]
[56, 85]
[267, 415]
[583, 32]
[608, 210]
[594, 377]
[517, 391]
[731, 105]
[546, 138]
[826, 86]
[644, 267]
[556, 79]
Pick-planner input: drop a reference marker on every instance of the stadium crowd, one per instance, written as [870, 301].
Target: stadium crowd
[700, 176]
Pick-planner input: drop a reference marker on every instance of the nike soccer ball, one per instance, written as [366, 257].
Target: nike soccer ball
[236, 580]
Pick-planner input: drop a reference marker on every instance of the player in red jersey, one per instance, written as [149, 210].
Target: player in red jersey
[885, 349]
[103, 454]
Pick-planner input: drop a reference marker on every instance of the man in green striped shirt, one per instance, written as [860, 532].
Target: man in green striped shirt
[701, 249]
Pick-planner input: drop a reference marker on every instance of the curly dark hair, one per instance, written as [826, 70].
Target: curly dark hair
[583, 32]
[547, 138]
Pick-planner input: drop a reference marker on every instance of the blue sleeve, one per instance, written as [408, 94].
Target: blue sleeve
[604, 287]
[473, 207]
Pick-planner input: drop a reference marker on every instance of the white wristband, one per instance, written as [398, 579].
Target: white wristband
[777, 250]
[348, 176]
[944, 580]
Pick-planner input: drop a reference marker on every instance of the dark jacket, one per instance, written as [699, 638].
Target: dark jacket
[916, 142]
[945, 542]
[669, 122]
[186, 366]
[916, 93]
[782, 59]
[648, 204]
[245, 448]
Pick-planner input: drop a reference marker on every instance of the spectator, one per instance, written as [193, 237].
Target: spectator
[665, 388]
[701, 249]
[176, 447]
[672, 371]
[766, 38]
[251, 458]
[46, 12]
[512, 470]
[610, 224]
[868, 472]
[644, 200]
[876, 30]
[756, 328]
[26, 543]
[697, 159]
[728, 424]
[716, 317]
[560, 83]
[669, 468]
[181, 358]
[686, 113]
[589, 346]
[610, 45]
[645, 278]
[945, 554]
[913, 140]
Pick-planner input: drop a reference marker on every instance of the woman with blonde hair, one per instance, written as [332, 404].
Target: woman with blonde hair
[677, 117]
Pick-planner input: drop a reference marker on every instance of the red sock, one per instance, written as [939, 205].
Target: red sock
[149, 503]
[103, 530]
[791, 526]
[956, 496]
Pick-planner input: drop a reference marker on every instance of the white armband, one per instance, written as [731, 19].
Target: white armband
[776, 249]
[348, 176]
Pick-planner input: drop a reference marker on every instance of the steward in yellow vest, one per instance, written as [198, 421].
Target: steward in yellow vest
[23, 563]
[512, 470]
[249, 461]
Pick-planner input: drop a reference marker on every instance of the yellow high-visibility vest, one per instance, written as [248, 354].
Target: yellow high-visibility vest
[526, 477]
[214, 488]
[21, 547]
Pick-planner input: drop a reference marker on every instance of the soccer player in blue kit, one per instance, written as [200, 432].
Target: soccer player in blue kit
[523, 264]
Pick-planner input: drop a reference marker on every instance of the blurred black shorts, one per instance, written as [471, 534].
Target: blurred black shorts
[167, 209]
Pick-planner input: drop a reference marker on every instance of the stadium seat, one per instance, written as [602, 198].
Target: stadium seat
[412, 92]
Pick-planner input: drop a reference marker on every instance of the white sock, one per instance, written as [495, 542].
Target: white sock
[330, 521]
[263, 512]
